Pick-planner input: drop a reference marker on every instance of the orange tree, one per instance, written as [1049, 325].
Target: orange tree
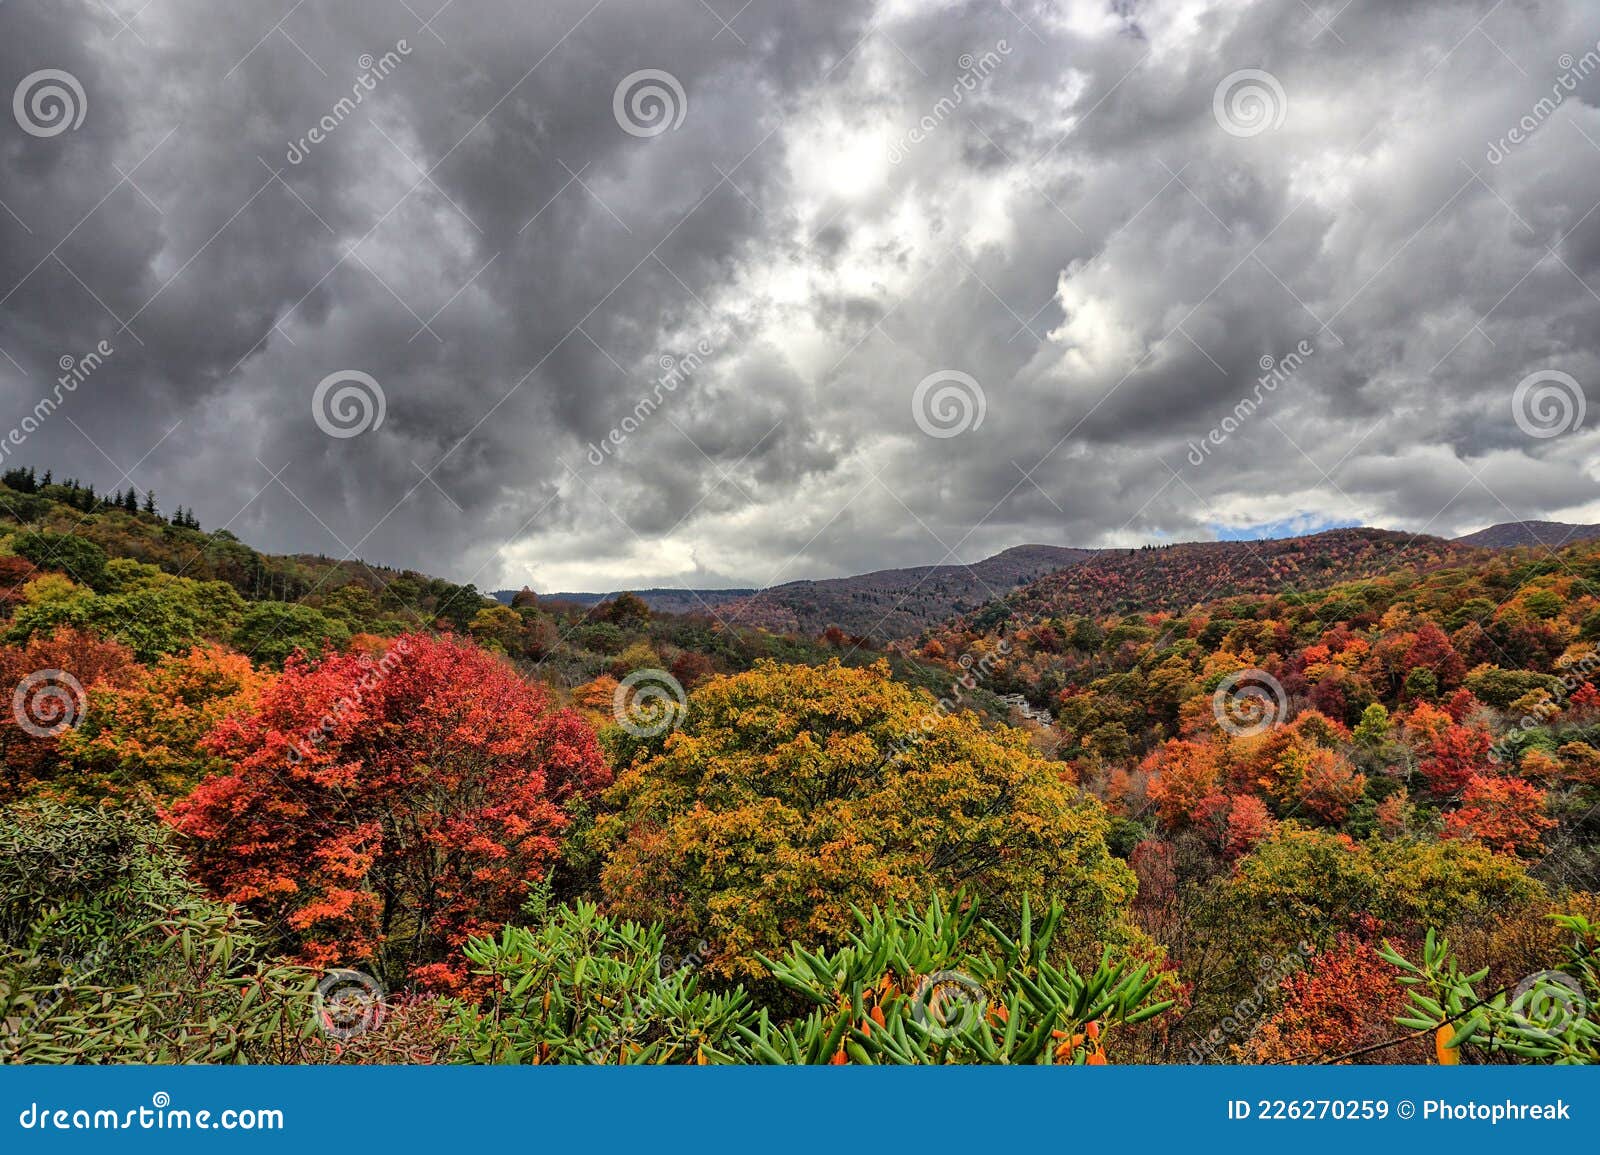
[45, 683]
[380, 813]
[791, 793]
[147, 736]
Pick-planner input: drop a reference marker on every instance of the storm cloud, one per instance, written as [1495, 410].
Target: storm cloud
[656, 292]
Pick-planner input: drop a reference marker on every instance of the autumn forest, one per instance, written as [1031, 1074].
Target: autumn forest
[1320, 799]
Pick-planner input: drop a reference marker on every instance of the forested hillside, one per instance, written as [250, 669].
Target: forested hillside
[1176, 577]
[1551, 534]
[1205, 803]
[898, 602]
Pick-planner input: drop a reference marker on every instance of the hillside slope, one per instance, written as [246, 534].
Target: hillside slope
[661, 599]
[1512, 534]
[1175, 577]
[896, 603]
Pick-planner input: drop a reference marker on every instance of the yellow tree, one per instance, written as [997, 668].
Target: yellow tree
[790, 793]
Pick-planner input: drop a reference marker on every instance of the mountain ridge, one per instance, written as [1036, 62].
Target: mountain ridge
[1515, 534]
[878, 603]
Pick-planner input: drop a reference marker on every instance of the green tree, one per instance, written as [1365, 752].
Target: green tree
[270, 631]
[1373, 729]
[77, 556]
[109, 954]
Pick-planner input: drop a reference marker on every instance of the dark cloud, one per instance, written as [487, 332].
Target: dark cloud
[1038, 195]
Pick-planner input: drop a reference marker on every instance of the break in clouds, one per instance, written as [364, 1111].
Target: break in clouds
[623, 293]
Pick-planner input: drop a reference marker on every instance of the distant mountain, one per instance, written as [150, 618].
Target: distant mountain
[1030, 581]
[663, 600]
[897, 603]
[1550, 534]
[889, 603]
[1176, 577]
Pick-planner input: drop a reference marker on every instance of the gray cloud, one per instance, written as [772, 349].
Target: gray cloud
[1063, 218]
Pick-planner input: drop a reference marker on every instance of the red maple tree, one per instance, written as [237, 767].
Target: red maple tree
[1452, 757]
[1505, 814]
[380, 812]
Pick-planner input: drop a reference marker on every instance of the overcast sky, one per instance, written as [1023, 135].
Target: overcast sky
[937, 279]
